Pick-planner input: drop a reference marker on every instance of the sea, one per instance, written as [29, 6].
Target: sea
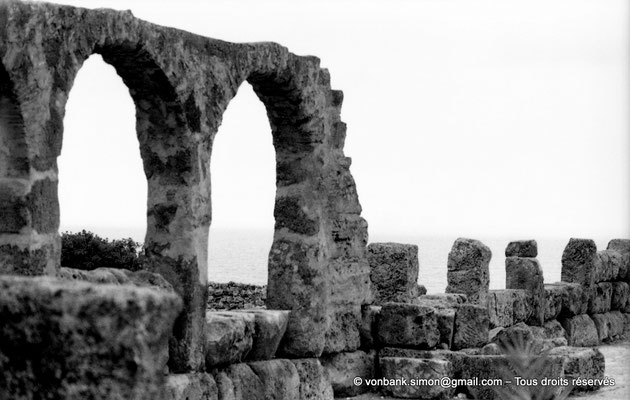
[240, 255]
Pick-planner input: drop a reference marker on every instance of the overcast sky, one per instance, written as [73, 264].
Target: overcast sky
[465, 118]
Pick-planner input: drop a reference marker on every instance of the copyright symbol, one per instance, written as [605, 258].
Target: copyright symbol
[357, 381]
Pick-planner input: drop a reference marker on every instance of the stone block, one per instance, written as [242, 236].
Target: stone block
[342, 368]
[245, 384]
[500, 308]
[553, 329]
[229, 337]
[193, 386]
[610, 325]
[408, 325]
[269, 328]
[622, 246]
[314, 382]
[427, 374]
[491, 349]
[279, 378]
[452, 299]
[620, 295]
[584, 363]
[454, 357]
[117, 276]
[445, 315]
[601, 298]
[525, 273]
[467, 273]
[225, 386]
[607, 265]
[581, 331]
[553, 300]
[520, 335]
[575, 298]
[495, 367]
[471, 326]
[522, 248]
[76, 340]
[578, 261]
[367, 330]
[522, 307]
[626, 326]
[393, 271]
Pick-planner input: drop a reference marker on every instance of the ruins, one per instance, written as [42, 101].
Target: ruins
[148, 336]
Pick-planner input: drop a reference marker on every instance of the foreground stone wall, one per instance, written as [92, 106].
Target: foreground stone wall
[181, 84]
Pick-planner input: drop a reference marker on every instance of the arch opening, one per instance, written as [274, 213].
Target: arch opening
[102, 186]
[243, 193]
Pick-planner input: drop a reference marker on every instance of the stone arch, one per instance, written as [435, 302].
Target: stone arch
[181, 83]
[177, 221]
[317, 265]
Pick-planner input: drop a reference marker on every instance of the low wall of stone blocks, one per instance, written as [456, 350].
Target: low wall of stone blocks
[112, 331]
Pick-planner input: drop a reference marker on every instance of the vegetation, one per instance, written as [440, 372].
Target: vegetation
[86, 250]
[529, 372]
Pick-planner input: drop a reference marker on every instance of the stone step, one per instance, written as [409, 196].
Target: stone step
[81, 340]
[235, 336]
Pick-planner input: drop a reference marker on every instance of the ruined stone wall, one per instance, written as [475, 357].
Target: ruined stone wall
[181, 84]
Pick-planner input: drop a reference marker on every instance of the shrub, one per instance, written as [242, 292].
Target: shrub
[86, 250]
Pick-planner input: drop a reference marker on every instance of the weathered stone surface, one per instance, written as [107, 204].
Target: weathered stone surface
[581, 331]
[280, 379]
[454, 357]
[75, 340]
[117, 276]
[195, 386]
[575, 298]
[393, 271]
[369, 324]
[314, 382]
[525, 273]
[553, 329]
[421, 290]
[269, 328]
[520, 335]
[522, 308]
[471, 326]
[554, 295]
[342, 368]
[607, 265]
[451, 298]
[601, 298]
[246, 385]
[171, 75]
[496, 367]
[620, 295]
[467, 273]
[500, 308]
[491, 349]
[609, 325]
[578, 261]
[522, 248]
[229, 337]
[445, 316]
[225, 386]
[622, 246]
[408, 325]
[432, 370]
[584, 363]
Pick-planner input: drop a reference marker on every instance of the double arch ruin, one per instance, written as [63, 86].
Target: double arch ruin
[181, 84]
